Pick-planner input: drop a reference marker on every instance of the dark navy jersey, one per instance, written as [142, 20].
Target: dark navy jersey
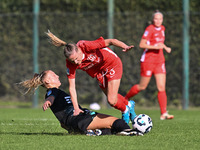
[62, 106]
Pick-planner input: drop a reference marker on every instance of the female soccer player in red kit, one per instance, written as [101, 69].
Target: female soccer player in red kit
[153, 62]
[100, 62]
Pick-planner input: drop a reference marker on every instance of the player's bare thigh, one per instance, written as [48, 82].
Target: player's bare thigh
[112, 91]
[160, 81]
[102, 121]
[144, 81]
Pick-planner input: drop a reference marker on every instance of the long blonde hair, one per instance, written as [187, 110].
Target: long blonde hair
[55, 40]
[69, 48]
[34, 83]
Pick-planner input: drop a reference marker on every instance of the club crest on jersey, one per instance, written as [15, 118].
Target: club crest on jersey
[67, 71]
[49, 92]
[93, 58]
[146, 33]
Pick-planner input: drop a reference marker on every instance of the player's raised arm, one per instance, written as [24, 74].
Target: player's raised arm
[118, 43]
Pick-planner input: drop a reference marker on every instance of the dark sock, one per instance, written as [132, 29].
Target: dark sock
[106, 131]
[119, 125]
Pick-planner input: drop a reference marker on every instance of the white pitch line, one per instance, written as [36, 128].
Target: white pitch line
[26, 124]
[40, 119]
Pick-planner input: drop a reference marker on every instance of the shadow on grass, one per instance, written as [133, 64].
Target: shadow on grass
[32, 133]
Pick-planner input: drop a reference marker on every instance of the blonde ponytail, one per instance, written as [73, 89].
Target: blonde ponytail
[33, 83]
[55, 40]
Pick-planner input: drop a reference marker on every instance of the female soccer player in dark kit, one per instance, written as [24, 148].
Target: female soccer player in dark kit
[86, 122]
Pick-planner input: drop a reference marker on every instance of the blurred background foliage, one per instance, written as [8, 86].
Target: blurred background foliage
[74, 20]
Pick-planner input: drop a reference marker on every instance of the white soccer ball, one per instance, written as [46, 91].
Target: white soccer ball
[95, 106]
[142, 123]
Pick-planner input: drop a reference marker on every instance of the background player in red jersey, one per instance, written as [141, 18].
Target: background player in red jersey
[61, 105]
[153, 62]
[100, 62]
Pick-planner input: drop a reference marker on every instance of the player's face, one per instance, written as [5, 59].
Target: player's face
[158, 20]
[76, 57]
[53, 79]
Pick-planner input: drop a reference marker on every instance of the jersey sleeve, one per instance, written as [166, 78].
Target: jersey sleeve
[71, 69]
[92, 45]
[147, 33]
[51, 92]
[163, 27]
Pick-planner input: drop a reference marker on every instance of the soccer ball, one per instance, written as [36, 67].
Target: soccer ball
[142, 123]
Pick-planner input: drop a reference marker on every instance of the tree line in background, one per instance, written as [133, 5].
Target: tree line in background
[87, 19]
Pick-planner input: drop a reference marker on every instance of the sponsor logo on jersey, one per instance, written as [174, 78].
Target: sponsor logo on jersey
[159, 39]
[68, 99]
[156, 34]
[49, 92]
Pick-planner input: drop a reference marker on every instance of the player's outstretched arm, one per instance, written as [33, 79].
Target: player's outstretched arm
[72, 91]
[118, 43]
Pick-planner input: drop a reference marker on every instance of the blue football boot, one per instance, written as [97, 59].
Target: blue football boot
[132, 109]
[126, 115]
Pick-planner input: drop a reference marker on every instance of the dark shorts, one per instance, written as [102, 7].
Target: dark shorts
[79, 124]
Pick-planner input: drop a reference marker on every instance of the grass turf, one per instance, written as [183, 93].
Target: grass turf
[22, 128]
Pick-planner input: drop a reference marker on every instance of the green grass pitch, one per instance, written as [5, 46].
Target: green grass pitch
[33, 129]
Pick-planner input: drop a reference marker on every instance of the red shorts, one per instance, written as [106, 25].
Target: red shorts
[147, 69]
[110, 73]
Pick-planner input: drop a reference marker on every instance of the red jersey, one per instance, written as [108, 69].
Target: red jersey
[153, 35]
[97, 58]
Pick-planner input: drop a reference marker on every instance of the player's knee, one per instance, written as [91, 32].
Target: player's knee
[111, 103]
[112, 100]
[142, 87]
[161, 88]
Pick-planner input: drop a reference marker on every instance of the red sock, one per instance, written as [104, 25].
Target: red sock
[162, 100]
[125, 101]
[120, 105]
[133, 91]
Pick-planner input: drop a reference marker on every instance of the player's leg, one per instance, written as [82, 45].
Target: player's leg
[144, 81]
[117, 126]
[135, 90]
[162, 96]
[145, 73]
[116, 100]
[102, 121]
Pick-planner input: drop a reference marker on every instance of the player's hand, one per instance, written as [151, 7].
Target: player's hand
[168, 49]
[46, 105]
[128, 48]
[160, 46]
[77, 112]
